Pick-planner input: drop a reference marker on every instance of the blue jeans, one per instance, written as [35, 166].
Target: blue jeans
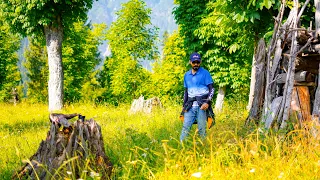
[195, 113]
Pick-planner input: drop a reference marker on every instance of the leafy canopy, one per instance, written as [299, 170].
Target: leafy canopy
[29, 17]
[229, 32]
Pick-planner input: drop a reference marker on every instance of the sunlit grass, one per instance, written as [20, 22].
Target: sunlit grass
[146, 146]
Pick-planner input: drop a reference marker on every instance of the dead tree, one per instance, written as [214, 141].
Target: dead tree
[146, 106]
[67, 148]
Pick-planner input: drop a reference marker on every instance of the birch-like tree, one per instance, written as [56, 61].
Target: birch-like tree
[47, 19]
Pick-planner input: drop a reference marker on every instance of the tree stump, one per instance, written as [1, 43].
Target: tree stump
[67, 151]
[146, 106]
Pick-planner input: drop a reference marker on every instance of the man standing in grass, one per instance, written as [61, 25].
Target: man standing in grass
[198, 93]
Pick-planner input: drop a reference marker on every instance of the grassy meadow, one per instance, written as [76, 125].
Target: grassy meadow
[146, 146]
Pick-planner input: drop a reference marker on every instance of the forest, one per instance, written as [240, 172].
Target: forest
[66, 73]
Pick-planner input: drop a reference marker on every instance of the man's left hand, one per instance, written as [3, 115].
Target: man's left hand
[204, 106]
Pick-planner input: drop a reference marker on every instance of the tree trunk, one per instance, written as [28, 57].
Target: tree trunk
[220, 99]
[54, 37]
[258, 92]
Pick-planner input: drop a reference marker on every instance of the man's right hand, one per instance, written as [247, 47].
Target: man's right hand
[204, 106]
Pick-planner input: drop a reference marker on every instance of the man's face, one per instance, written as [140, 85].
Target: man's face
[195, 64]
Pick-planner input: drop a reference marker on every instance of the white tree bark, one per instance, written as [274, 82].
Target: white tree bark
[220, 99]
[252, 83]
[54, 36]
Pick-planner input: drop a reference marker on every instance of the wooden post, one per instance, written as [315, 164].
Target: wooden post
[276, 35]
[252, 81]
[258, 86]
[285, 109]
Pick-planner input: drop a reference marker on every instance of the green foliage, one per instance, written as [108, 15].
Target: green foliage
[167, 78]
[80, 54]
[131, 35]
[37, 71]
[229, 32]
[10, 75]
[119, 82]
[131, 39]
[188, 15]
[30, 17]
[80, 57]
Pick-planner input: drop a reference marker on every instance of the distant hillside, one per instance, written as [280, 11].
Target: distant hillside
[103, 11]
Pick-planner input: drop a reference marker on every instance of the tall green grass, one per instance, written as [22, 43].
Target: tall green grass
[146, 146]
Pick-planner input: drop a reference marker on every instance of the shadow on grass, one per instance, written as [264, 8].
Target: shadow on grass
[20, 127]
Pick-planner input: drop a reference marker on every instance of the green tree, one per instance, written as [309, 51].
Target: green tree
[167, 79]
[224, 32]
[37, 71]
[230, 31]
[49, 19]
[188, 15]
[81, 56]
[10, 75]
[132, 39]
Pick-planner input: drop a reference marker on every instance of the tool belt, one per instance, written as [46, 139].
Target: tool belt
[200, 100]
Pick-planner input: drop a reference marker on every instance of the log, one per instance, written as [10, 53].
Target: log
[258, 86]
[273, 112]
[304, 101]
[300, 76]
[303, 63]
[310, 84]
[69, 148]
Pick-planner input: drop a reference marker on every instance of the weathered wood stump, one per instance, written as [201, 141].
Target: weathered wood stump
[146, 106]
[68, 149]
